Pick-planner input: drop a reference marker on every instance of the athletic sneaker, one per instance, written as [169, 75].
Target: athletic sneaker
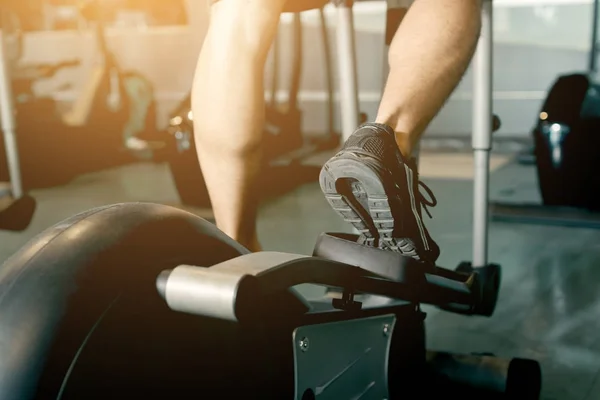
[370, 184]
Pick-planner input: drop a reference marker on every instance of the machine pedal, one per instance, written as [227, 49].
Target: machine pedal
[489, 278]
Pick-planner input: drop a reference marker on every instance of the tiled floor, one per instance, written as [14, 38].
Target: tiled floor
[550, 297]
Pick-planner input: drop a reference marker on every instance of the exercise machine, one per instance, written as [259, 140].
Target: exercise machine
[93, 135]
[284, 144]
[565, 152]
[240, 328]
[16, 206]
[168, 305]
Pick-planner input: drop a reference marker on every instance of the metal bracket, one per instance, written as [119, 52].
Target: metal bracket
[343, 360]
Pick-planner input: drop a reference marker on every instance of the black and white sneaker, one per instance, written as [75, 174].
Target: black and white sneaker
[371, 186]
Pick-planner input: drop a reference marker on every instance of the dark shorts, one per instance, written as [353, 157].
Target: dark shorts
[396, 11]
[304, 5]
[296, 5]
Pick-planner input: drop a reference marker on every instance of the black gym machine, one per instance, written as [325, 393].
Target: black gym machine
[167, 306]
[566, 139]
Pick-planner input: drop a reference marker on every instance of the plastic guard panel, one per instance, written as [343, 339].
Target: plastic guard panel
[343, 360]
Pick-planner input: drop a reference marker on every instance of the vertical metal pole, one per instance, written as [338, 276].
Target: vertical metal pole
[347, 69]
[9, 125]
[594, 44]
[482, 135]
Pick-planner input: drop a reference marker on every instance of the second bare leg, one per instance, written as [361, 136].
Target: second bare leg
[228, 106]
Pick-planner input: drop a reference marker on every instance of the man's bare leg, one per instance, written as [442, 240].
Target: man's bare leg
[428, 56]
[228, 107]
[373, 181]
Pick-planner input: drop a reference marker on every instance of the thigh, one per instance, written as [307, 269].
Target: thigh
[269, 6]
[399, 3]
[396, 10]
[304, 5]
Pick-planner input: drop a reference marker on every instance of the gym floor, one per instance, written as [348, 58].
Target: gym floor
[549, 300]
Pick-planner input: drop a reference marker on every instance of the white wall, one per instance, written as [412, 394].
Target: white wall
[535, 40]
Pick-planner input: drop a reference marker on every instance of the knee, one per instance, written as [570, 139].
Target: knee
[245, 24]
[245, 9]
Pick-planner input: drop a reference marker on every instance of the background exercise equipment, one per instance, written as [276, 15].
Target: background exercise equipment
[285, 145]
[566, 142]
[16, 207]
[103, 330]
[94, 133]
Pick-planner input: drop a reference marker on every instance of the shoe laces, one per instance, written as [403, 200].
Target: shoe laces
[426, 202]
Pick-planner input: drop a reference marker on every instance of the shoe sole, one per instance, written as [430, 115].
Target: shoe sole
[356, 191]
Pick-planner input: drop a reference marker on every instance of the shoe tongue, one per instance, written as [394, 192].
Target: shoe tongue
[388, 130]
[381, 127]
[410, 161]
